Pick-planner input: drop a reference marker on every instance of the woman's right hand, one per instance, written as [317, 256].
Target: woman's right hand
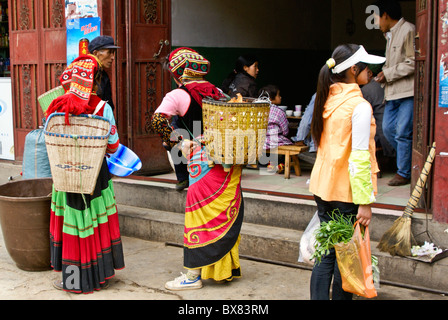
[364, 214]
[187, 147]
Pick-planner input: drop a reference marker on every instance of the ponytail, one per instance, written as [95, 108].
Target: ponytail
[325, 80]
[323, 88]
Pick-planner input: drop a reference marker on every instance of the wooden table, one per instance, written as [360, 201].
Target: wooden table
[291, 152]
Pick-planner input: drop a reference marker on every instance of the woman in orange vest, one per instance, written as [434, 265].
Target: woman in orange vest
[344, 174]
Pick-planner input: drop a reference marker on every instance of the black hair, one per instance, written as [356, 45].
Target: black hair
[325, 80]
[391, 7]
[243, 61]
[375, 68]
[271, 90]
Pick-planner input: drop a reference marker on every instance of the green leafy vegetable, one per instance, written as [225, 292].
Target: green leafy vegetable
[338, 229]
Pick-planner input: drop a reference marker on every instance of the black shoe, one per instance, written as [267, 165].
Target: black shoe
[182, 185]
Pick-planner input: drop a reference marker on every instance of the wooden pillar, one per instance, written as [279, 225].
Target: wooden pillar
[440, 194]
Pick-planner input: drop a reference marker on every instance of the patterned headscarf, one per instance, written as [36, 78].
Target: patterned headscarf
[186, 64]
[190, 68]
[77, 81]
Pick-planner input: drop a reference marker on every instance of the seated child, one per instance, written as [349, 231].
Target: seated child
[277, 131]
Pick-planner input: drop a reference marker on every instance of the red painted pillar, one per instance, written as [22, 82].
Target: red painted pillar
[440, 187]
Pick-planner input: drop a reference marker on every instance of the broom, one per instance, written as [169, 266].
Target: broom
[398, 239]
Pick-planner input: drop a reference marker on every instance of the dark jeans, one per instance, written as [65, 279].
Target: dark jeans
[328, 270]
[398, 127]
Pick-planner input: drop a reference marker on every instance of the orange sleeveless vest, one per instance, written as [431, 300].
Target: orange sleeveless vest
[330, 177]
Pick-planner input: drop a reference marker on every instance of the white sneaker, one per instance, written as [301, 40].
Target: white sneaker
[183, 283]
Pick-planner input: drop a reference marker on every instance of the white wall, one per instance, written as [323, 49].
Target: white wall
[372, 39]
[283, 24]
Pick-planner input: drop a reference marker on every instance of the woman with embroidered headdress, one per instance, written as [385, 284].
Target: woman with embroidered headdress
[214, 206]
[85, 237]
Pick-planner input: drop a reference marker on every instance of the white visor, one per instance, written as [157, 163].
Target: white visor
[359, 56]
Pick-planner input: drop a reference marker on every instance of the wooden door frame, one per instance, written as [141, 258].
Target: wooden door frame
[131, 17]
[424, 99]
[440, 176]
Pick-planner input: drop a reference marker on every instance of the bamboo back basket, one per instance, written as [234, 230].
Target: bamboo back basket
[76, 151]
[235, 132]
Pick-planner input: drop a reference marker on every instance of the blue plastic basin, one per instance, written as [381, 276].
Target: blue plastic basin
[123, 162]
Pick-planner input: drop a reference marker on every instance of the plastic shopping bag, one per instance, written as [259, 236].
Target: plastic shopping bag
[308, 240]
[355, 264]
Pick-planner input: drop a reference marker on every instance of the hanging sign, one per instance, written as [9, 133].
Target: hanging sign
[443, 62]
[78, 9]
[83, 25]
[79, 33]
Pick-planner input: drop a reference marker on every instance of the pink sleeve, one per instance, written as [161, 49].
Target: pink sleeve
[175, 103]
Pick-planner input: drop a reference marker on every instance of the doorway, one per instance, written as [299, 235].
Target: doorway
[143, 31]
[292, 46]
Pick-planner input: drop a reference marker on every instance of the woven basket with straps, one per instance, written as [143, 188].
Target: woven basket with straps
[76, 151]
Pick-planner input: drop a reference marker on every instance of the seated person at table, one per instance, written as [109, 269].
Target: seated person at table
[303, 136]
[277, 131]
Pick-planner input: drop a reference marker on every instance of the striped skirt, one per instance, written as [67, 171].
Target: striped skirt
[85, 236]
[213, 218]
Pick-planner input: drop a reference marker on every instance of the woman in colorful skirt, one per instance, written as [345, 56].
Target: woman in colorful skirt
[214, 207]
[84, 229]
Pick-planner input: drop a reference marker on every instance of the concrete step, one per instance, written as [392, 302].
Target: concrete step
[284, 211]
[271, 231]
[264, 242]
[278, 245]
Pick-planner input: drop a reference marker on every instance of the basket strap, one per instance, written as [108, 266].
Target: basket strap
[78, 158]
[99, 106]
[192, 137]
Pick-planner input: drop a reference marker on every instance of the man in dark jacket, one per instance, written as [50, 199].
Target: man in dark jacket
[104, 48]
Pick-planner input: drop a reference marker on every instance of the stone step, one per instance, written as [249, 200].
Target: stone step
[264, 242]
[283, 211]
[278, 245]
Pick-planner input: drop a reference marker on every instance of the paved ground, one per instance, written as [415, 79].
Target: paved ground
[150, 264]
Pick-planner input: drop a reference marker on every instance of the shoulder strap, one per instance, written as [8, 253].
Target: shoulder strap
[99, 106]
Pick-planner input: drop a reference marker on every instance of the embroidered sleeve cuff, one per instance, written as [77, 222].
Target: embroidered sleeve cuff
[112, 147]
[161, 125]
[360, 173]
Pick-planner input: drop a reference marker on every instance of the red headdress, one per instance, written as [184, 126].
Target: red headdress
[77, 81]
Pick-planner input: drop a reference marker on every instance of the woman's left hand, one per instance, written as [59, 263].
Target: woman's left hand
[364, 214]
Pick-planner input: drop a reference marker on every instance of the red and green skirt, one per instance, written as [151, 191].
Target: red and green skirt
[85, 236]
